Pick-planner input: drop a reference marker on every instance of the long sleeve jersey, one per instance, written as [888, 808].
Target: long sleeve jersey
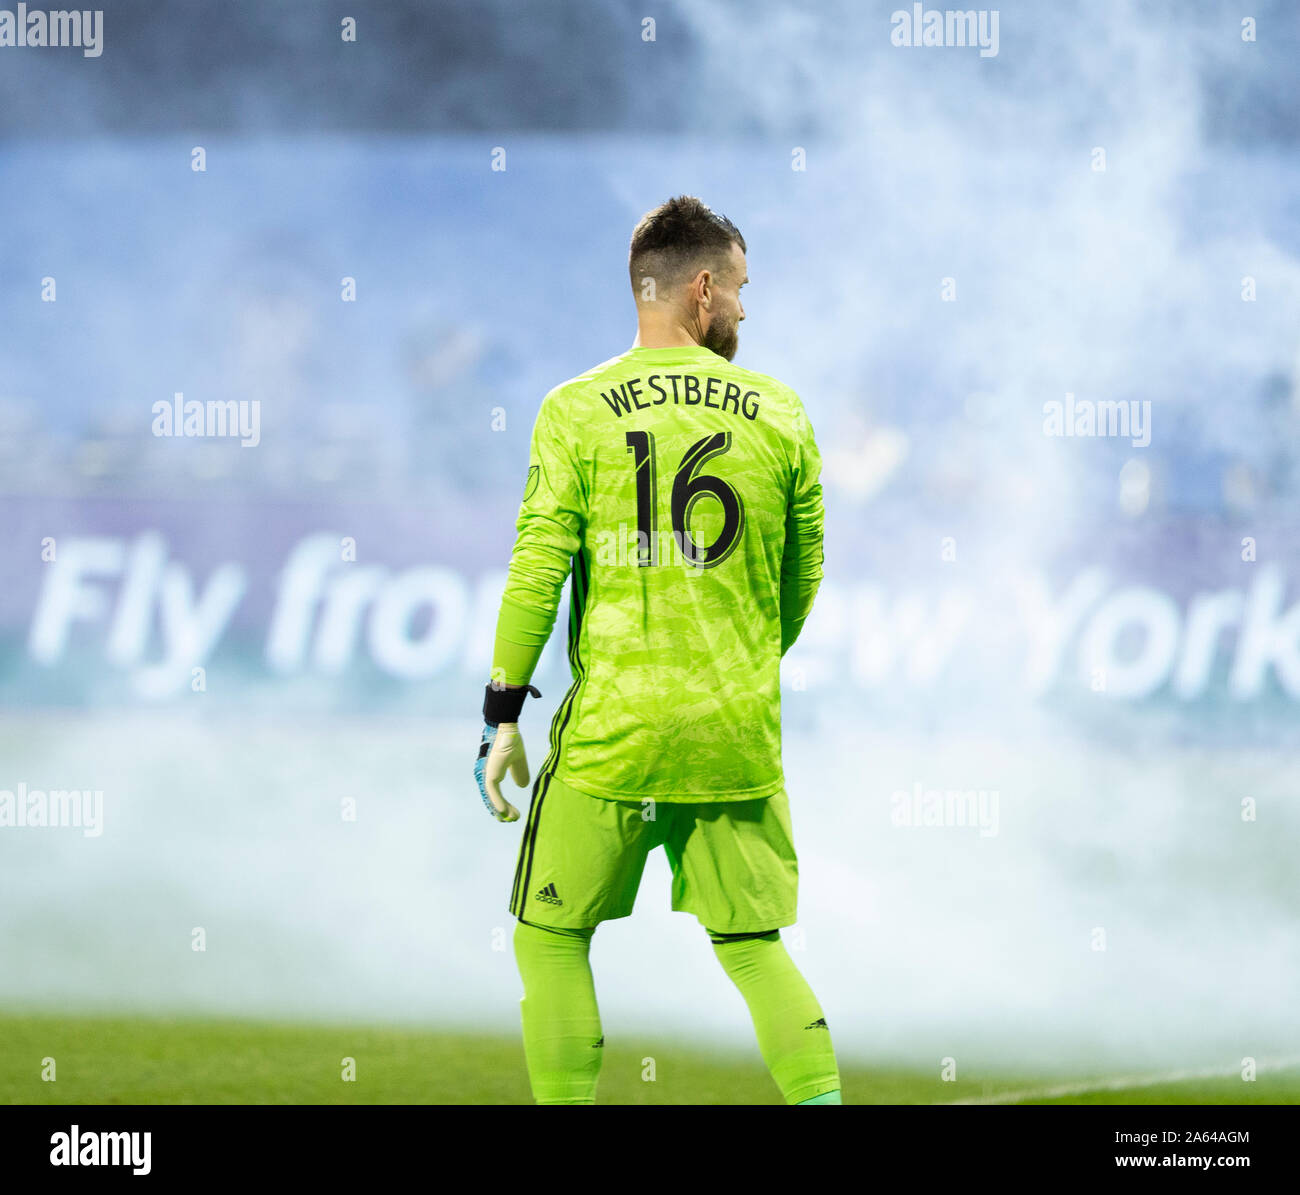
[680, 496]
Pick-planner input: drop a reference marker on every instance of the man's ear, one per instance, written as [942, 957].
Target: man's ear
[704, 287]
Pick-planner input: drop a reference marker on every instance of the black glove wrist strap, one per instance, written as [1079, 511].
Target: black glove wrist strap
[503, 705]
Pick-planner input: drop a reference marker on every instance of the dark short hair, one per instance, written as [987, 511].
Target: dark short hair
[678, 238]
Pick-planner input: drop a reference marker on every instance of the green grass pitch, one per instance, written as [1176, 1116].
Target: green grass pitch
[136, 1060]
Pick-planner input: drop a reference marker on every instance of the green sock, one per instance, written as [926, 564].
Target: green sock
[831, 1097]
[562, 1040]
[792, 1033]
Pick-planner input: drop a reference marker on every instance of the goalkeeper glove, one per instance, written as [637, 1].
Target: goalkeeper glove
[502, 749]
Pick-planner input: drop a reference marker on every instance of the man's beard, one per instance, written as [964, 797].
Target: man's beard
[722, 338]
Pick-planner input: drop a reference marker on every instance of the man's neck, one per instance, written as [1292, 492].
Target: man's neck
[672, 336]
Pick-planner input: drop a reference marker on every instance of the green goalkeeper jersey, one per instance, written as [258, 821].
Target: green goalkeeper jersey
[682, 496]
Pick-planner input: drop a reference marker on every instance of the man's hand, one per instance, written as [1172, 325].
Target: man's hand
[502, 748]
[501, 751]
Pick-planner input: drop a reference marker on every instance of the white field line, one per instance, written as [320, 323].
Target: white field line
[1122, 1082]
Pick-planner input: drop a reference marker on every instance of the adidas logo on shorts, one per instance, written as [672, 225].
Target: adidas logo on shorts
[549, 895]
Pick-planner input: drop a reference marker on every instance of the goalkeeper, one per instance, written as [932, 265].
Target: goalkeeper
[679, 495]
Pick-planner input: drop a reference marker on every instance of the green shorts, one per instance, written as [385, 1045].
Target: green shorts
[581, 859]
